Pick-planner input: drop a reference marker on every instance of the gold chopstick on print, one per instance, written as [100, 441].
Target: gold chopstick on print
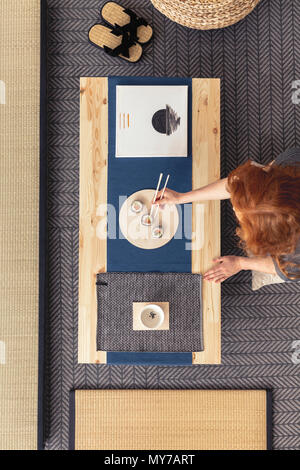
[124, 120]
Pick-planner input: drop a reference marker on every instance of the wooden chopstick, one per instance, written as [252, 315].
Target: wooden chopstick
[162, 195]
[155, 194]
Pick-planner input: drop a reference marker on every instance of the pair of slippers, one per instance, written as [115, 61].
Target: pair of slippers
[126, 34]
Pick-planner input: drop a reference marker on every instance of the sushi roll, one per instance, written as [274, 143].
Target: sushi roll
[157, 232]
[136, 206]
[147, 220]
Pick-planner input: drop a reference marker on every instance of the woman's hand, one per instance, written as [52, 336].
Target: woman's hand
[226, 266]
[170, 197]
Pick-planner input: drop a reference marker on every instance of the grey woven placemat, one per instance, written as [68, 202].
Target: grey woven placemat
[117, 291]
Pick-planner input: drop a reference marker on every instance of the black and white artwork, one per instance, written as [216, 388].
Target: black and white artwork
[151, 121]
[166, 121]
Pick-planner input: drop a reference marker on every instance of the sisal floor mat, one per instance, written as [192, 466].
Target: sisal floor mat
[19, 215]
[170, 419]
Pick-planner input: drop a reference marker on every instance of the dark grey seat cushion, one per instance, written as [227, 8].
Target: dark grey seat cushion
[117, 291]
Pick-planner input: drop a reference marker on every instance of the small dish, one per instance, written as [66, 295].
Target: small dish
[152, 316]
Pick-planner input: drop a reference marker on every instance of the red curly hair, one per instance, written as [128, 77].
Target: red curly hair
[267, 204]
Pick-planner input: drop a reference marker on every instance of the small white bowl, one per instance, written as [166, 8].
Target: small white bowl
[152, 316]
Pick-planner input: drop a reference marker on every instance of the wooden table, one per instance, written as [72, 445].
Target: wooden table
[93, 192]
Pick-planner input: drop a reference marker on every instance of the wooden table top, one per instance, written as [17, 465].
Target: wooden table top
[93, 193]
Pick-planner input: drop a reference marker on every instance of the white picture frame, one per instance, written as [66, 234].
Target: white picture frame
[151, 121]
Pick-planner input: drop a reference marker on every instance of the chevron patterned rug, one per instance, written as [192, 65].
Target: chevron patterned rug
[258, 59]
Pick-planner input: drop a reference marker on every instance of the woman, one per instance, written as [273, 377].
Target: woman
[266, 201]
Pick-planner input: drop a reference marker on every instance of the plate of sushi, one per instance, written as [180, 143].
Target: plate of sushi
[143, 227]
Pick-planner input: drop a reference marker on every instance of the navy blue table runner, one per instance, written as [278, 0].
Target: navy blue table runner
[128, 175]
[125, 177]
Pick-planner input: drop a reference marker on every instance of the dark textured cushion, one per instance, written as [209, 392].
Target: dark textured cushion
[117, 291]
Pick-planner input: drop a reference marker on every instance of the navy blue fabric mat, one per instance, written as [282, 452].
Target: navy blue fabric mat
[128, 175]
[150, 359]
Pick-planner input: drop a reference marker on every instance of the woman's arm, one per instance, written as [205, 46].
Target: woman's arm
[211, 192]
[263, 264]
[229, 265]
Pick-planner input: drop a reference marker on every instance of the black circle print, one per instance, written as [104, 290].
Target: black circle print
[159, 121]
[166, 121]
